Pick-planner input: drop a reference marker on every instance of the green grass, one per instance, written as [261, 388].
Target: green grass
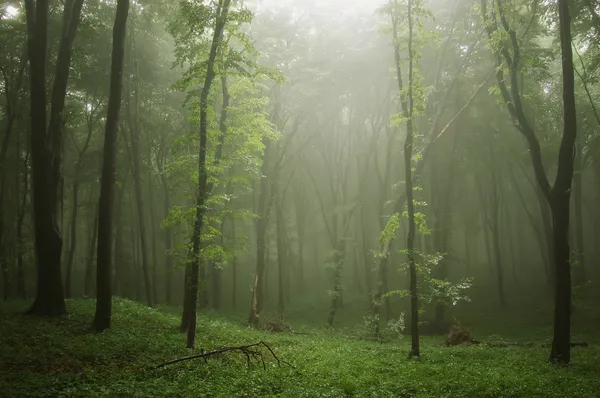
[45, 357]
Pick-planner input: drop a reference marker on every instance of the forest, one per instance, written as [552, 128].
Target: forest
[299, 198]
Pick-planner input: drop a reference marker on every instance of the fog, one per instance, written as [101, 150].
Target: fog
[370, 167]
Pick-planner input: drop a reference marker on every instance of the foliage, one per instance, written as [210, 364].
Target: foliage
[435, 291]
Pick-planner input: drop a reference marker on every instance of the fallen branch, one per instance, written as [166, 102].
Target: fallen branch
[502, 344]
[250, 351]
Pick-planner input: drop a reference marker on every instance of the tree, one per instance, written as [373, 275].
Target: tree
[107, 183]
[508, 55]
[46, 148]
[561, 193]
[407, 103]
[201, 194]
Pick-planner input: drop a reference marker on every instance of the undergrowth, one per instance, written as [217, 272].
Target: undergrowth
[44, 357]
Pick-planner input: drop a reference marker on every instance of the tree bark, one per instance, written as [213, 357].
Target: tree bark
[21, 210]
[280, 226]
[202, 193]
[133, 124]
[579, 274]
[46, 149]
[234, 258]
[104, 268]
[89, 268]
[558, 195]
[561, 193]
[407, 110]
[75, 209]
[168, 239]
[153, 236]
[261, 231]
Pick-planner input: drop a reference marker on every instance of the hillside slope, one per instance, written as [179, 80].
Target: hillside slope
[43, 357]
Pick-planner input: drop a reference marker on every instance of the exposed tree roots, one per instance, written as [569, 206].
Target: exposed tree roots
[252, 352]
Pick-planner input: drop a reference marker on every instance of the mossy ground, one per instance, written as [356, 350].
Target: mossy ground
[62, 357]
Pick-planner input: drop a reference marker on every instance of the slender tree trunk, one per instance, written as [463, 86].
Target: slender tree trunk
[407, 108]
[119, 252]
[280, 224]
[233, 268]
[168, 239]
[367, 260]
[137, 185]
[202, 192]
[104, 267]
[185, 314]
[89, 269]
[300, 230]
[560, 197]
[261, 231]
[153, 220]
[337, 282]
[21, 291]
[580, 269]
[73, 243]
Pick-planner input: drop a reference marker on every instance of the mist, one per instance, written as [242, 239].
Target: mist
[263, 180]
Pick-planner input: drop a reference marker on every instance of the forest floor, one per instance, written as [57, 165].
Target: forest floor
[62, 357]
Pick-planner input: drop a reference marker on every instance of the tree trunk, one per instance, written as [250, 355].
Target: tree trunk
[89, 269]
[580, 269]
[132, 122]
[407, 109]
[103, 313]
[202, 193]
[73, 243]
[261, 231]
[337, 282]
[233, 267]
[168, 240]
[153, 236]
[185, 314]
[21, 291]
[560, 197]
[46, 149]
[119, 252]
[280, 226]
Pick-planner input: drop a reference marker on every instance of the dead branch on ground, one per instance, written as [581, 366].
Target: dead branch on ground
[252, 352]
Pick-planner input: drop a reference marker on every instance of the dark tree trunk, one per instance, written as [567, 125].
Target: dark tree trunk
[336, 302]
[75, 210]
[579, 273]
[300, 230]
[233, 267]
[153, 220]
[185, 314]
[103, 313]
[367, 260]
[89, 268]
[133, 124]
[168, 239]
[46, 149]
[557, 196]
[202, 193]
[407, 110]
[261, 231]
[561, 193]
[73, 243]
[216, 286]
[21, 291]
[280, 226]
[119, 252]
